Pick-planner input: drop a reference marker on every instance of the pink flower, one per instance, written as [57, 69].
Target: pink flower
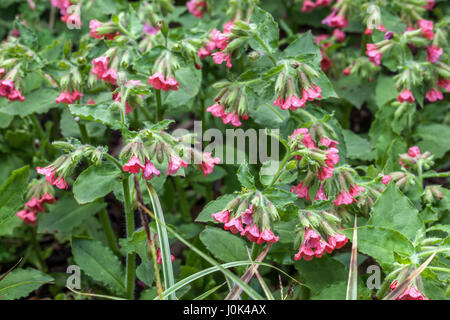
[410, 293]
[386, 179]
[73, 19]
[434, 95]
[337, 241]
[28, 217]
[427, 28]
[343, 198]
[93, 25]
[16, 95]
[133, 165]
[247, 215]
[339, 35]
[443, 83]
[406, 95]
[90, 102]
[220, 57]
[216, 110]
[221, 216]
[335, 20]
[301, 190]
[62, 5]
[48, 172]
[159, 257]
[328, 142]
[326, 62]
[332, 157]
[64, 97]
[6, 87]
[373, 53]
[100, 66]
[311, 93]
[227, 26]
[218, 40]
[429, 5]
[325, 173]
[312, 245]
[110, 76]
[414, 151]
[34, 204]
[174, 164]
[196, 7]
[267, 236]
[433, 53]
[157, 80]
[234, 225]
[203, 53]
[149, 29]
[320, 195]
[292, 102]
[208, 163]
[60, 183]
[149, 170]
[171, 84]
[47, 198]
[232, 118]
[251, 232]
[355, 190]
[308, 6]
[76, 95]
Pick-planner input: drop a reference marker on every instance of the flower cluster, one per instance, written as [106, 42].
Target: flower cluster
[251, 216]
[318, 233]
[375, 50]
[296, 76]
[414, 156]
[103, 71]
[218, 41]
[230, 104]
[196, 7]
[67, 97]
[410, 292]
[8, 88]
[100, 30]
[163, 73]
[320, 158]
[39, 194]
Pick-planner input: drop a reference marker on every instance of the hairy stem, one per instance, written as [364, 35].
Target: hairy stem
[131, 257]
[109, 232]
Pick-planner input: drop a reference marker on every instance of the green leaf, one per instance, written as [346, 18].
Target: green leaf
[355, 91]
[100, 113]
[213, 207]
[318, 274]
[224, 245]
[435, 138]
[11, 200]
[381, 243]
[304, 48]
[96, 182]
[357, 147]
[267, 29]
[245, 177]
[66, 214]
[385, 90]
[190, 80]
[99, 263]
[393, 210]
[37, 101]
[20, 283]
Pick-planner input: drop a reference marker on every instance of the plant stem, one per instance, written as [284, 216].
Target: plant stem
[109, 232]
[436, 175]
[280, 168]
[159, 111]
[269, 54]
[37, 126]
[131, 257]
[113, 160]
[84, 133]
[183, 201]
[37, 248]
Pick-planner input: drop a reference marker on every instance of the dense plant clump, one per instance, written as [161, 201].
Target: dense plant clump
[118, 123]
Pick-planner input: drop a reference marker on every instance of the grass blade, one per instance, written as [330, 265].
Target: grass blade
[402, 286]
[251, 293]
[11, 269]
[352, 284]
[210, 291]
[169, 279]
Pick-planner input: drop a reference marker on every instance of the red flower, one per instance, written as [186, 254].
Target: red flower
[247, 215]
[251, 232]
[221, 216]
[301, 190]
[48, 172]
[196, 7]
[149, 170]
[337, 241]
[427, 28]
[339, 35]
[434, 95]
[433, 53]
[174, 164]
[292, 102]
[406, 95]
[208, 163]
[343, 198]
[410, 293]
[386, 179]
[64, 97]
[203, 53]
[100, 66]
[220, 57]
[313, 245]
[93, 25]
[35, 204]
[234, 225]
[110, 76]
[157, 80]
[267, 236]
[444, 83]
[373, 53]
[216, 110]
[320, 195]
[159, 257]
[311, 93]
[308, 6]
[28, 217]
[414, 151]
[133, 165]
